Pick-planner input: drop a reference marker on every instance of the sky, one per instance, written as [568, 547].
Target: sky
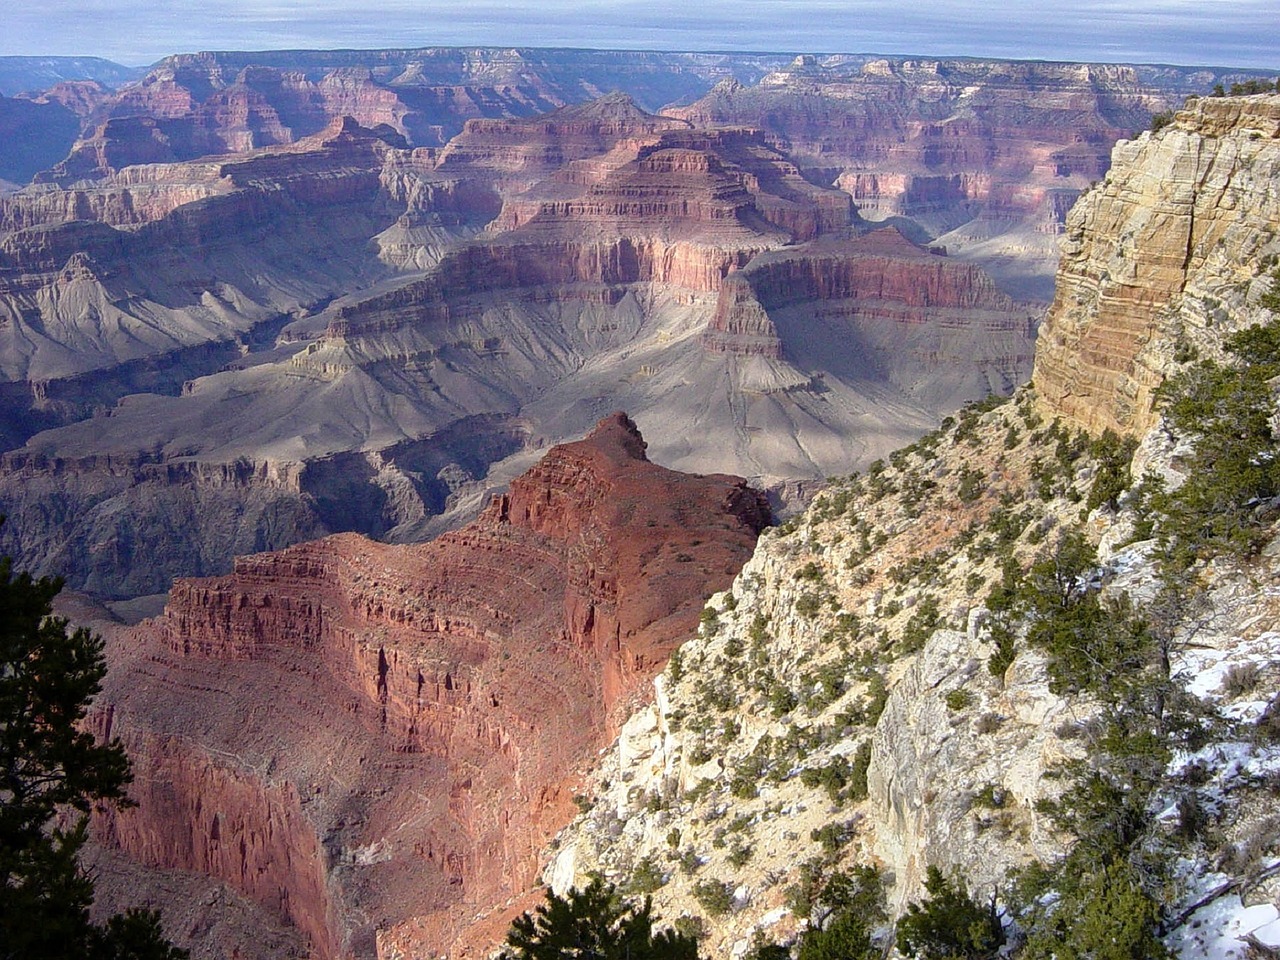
[1241, 33]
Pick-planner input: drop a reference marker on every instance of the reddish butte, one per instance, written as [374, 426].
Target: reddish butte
[362, 736]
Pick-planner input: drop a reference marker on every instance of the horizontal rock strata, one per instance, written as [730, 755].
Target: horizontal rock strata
[359, 736]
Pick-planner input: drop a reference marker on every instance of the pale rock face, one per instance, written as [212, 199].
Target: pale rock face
[927, 764]
[1164, 250]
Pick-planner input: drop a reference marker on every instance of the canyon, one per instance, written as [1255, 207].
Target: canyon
[365, 749]
[178, 333]
[473, 254]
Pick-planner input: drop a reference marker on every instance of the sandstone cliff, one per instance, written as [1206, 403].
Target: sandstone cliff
[361, 738]
[1162, 255]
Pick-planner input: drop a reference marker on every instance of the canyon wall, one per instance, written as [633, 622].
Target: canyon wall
[1156, 256]
[193, 105]
[178, 316]
[934, 327]
[360, 737]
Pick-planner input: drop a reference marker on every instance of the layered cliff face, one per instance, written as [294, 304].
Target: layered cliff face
[158, 259]
[712, 186]
[361, 738]
[1157, 257]
[160, 275]
[520, 153]
[851, 699]
[985, 156]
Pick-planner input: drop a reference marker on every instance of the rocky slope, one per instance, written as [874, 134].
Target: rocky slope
[847, 701]
[362, 738]
[133, 271]
[589, 289]
[899, 303]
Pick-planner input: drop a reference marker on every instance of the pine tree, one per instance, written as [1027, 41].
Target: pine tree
[52, 772]
[594, 923]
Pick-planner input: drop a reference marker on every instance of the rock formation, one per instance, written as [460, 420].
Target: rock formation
[360, 737]
[1155, 256]
[895, 300]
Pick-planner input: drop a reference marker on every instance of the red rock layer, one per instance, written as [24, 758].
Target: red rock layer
[360, 736]
[944, 138]
[881, 276]
[523, 152]
[720, 184]
[163, 120]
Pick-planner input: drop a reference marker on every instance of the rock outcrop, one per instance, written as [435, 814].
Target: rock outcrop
[521, 152]
[1157, 256]
[364, 738]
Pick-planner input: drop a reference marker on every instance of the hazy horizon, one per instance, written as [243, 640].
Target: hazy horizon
[136, 33]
